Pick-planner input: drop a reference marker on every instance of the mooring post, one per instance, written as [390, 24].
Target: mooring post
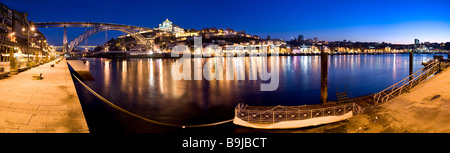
[323, 75]
[411, 62]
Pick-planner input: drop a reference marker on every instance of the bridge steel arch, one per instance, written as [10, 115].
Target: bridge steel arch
[133, 31]
[139, 38]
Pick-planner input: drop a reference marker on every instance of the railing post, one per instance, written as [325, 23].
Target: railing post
[353, 108]
[235, 112]
[286, 117]
[248, 116]
[273, 117]
[410, 86]
[411, 63]
[260, 118]
[439, 65]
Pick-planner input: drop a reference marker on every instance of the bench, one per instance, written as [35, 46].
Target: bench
[23, 69]
[36, 76]
[3, 74]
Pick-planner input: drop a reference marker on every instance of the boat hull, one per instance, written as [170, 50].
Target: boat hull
[293, 124]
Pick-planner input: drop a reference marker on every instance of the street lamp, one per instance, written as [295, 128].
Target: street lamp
[28, 40]
[12, 36]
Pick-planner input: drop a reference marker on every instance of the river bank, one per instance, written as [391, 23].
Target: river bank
[131, 54]
[47, 105]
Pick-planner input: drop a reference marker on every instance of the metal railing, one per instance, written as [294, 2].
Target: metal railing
[274, 116]
[408, 83]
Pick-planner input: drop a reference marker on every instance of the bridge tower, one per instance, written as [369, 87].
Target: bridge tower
[65, 47]
[85, 41]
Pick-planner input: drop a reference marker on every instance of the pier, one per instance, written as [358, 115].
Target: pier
[49, 104]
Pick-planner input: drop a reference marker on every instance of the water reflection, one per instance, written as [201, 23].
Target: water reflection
[146, 87]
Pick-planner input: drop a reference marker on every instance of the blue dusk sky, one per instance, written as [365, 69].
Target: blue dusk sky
[354, 20]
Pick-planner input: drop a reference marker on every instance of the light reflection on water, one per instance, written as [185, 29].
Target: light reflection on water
[146, 87]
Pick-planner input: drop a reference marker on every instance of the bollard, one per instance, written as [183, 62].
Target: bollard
[411, 62]
[323, 76]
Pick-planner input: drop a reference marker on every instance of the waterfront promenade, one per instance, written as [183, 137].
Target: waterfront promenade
[425, 109]
[50, 105]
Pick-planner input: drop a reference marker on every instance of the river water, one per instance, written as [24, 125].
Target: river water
[146, 87]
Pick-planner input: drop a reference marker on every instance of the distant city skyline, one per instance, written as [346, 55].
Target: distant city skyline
[396, 22]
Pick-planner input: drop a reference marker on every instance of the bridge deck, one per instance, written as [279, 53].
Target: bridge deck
[84, 24]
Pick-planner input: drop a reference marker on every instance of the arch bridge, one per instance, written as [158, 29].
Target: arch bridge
[133, 31]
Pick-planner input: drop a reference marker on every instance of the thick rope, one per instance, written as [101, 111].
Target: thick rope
[141, 117]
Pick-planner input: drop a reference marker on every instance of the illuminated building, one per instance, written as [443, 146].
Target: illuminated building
[18, 34]
[186, 34]
[168, 26]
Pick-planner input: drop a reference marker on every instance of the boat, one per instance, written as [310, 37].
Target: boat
[291, 117]
[428, 61]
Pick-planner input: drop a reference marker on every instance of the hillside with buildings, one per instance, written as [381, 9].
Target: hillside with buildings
[167, 35]
[20, 38]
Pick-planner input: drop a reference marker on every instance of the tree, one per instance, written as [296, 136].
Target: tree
[447, 46]
[112, 41]
[36, 56]
[213, 29]
[205, 30]
[12, 60]
[300, 37]
[268, 37]
[98, 48]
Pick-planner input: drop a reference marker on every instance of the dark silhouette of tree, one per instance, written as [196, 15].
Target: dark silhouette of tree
[213, 29]
[229, 30]
[300, 37]
[98, 48]
[447, 46]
